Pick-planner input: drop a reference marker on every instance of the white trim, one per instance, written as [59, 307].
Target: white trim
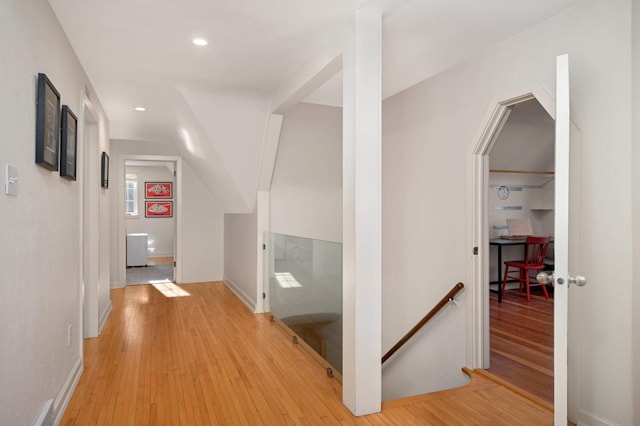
[88, 177]
[117, 284]
[262, 226]
[240, 294]
[269, 151]
[46, 414]
[69, 386]
[177, 256]
[83, 114]
[312, 74]
[478, 265]
[104, 317]
[590, 419]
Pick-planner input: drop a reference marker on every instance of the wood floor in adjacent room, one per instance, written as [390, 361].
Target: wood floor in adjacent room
[522, 342]
[195, 355]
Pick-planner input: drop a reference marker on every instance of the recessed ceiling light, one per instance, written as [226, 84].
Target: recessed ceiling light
[200, 42]
[140, 109]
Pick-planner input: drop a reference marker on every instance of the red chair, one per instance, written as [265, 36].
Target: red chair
[535, 252]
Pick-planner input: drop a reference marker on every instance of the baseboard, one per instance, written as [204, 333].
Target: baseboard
[590, 419]
[104, 317]
[160, 255]
[64, 396]
[115, 284]
[241, 294]
[46, 415]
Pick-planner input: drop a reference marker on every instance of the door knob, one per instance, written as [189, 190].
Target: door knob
[544, 278]
[578, 280]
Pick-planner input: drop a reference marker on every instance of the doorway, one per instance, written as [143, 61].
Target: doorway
[149, 221]
[149, 227]
[566, 235]
[481, 193]
[521, 186]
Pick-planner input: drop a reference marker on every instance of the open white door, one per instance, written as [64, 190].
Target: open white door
[561, 244]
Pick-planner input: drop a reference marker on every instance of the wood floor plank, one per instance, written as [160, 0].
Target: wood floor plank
[204, 359]
[521, 340]
[539, 360]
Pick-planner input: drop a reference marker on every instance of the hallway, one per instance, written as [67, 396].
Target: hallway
[194, 354]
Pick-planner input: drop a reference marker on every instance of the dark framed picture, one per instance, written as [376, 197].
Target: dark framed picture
[68, 144]
[47, 124]
[104, 175]
[158, 209]
[158, 189]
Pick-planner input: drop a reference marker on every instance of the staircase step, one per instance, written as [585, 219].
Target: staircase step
[479, 380]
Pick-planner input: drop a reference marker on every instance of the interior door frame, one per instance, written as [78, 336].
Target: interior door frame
[177, 256]
[89, 184]
[495, 118]
[478, 310]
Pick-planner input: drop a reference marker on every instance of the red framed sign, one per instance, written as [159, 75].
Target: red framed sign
[158, 209]
[158, 189]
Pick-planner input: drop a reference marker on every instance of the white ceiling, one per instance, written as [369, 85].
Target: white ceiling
[140, 53]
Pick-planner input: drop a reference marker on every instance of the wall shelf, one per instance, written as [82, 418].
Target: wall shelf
[523, 172]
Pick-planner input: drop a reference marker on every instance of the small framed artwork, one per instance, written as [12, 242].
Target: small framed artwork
[158, 189]
[104, 175]
[158, 209]
[68, 144]
[47, 124]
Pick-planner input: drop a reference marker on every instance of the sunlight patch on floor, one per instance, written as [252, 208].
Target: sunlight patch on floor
[169, 289]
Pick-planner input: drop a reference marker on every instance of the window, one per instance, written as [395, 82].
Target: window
[131, 195]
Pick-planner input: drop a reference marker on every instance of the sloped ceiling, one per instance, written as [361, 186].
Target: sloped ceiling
[213, 101]
[525, 144]
[527, 140]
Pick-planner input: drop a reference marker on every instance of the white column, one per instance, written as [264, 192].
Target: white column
[262, 226]
[362, 235]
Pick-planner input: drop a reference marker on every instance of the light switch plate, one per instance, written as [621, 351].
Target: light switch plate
[11, 180]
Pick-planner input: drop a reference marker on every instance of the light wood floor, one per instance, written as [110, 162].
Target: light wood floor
[205, 359]
[522, 342]
[160, 260]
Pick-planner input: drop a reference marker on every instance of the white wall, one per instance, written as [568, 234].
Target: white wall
[160, 230]
[635, 160]
[428, 133]
[203, 232]
[40, 255]
[306, 189]
[240, 256]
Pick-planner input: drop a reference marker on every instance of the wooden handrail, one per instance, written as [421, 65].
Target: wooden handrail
[446, 299]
